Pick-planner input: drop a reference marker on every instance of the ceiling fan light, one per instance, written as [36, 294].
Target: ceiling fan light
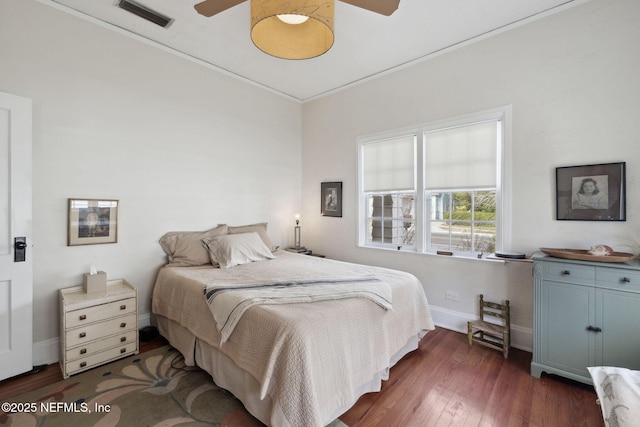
[305, 40]
[292, 19]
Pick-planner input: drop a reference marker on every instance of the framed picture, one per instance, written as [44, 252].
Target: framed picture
[331, 199]
[591, 192]
[92, 222]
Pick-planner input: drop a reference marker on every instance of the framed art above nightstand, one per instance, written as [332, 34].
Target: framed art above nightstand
[92, 221]
[331, 199]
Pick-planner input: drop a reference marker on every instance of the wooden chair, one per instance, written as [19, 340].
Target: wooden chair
[496, 334]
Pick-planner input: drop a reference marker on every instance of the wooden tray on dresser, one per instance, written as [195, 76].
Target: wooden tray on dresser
[584, 255]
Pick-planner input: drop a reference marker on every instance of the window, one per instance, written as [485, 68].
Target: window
[437, 187]
[463, 220]
[389, 182]
[390, 219]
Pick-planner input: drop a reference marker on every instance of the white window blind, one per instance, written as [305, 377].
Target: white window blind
[462, 157]
[389, 165]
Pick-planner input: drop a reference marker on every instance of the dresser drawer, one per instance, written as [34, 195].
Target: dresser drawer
[618, 278]
[85, 334]
[100, 358]
[569, 273]
[100, 312]
[102, 344]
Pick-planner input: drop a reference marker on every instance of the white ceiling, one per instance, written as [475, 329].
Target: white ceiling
[366, 44]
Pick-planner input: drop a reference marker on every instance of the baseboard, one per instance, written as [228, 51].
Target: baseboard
[521, 338]
[48, 351]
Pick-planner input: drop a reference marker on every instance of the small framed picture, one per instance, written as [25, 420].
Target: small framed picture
[331, 199]
[591, 192]
[92, 221]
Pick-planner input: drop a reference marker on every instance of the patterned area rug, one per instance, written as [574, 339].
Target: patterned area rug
[154, 388]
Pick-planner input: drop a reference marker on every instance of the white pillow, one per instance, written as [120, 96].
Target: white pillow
[235, 249]
[618, 391]
[260, 228]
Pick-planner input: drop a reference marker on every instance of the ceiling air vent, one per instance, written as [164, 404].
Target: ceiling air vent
[145, 13]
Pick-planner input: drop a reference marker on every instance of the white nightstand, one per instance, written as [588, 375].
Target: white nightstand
[97, 328]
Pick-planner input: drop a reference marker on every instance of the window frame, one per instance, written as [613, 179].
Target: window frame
[502, 114]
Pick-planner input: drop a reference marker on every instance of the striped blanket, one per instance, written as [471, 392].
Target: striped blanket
[228, 302]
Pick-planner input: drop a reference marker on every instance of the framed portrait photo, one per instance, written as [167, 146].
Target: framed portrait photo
[591, 192]
[92, 222]
[331, 199]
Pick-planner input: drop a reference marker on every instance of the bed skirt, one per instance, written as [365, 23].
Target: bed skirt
[227, 375]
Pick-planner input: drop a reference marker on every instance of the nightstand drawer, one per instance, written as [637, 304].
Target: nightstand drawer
[619, 279]
[97, 346]
[100, 358]
[100, 312]
[95, 331]
[569, 273]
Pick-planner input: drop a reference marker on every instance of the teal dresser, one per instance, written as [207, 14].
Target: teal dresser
[584, 314]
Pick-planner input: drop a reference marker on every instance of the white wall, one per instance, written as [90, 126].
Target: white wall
[184, 147]
[181, 147]
[572, 81]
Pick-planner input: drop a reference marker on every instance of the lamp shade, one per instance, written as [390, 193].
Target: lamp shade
[308, 39]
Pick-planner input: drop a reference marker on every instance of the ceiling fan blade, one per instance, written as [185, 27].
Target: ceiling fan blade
[211, 7]
[383, 7]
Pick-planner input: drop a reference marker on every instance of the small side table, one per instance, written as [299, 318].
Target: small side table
[304, 251]
[316, 255]
[97, 328]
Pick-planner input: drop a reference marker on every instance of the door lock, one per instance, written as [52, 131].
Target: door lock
[20, 249]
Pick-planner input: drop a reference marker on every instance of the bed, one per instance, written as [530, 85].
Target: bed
[322, 334]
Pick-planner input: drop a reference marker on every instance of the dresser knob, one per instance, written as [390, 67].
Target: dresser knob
[123, 339]
[123, 350]
[123, 307]
[83, 364]
[83, 334]
[625, 280]
[123, 324]
[83, 351]
[566, 273]
[83, 317]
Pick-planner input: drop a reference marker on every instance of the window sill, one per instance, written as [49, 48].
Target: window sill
[470, 257]
[457, 255]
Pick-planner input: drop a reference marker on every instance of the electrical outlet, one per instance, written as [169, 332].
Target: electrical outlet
[452, 295]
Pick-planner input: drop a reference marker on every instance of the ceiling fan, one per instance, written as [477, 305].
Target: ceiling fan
[294, 29]
[384, 7]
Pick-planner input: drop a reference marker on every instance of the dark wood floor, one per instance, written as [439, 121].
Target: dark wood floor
[443, 383]
[448, 383]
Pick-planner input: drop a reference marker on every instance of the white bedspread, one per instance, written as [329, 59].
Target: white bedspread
[309, 358]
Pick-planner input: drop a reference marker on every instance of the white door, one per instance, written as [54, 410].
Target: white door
[16, 281]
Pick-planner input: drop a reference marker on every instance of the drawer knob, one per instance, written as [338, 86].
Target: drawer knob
[594, 328]
[566, 273]
[83, 364]
[82, 334]
[625, 280]
[83, 351]
[83, 317]
[123, 324]
[123, 307]
[123, 350]
[123, 339]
